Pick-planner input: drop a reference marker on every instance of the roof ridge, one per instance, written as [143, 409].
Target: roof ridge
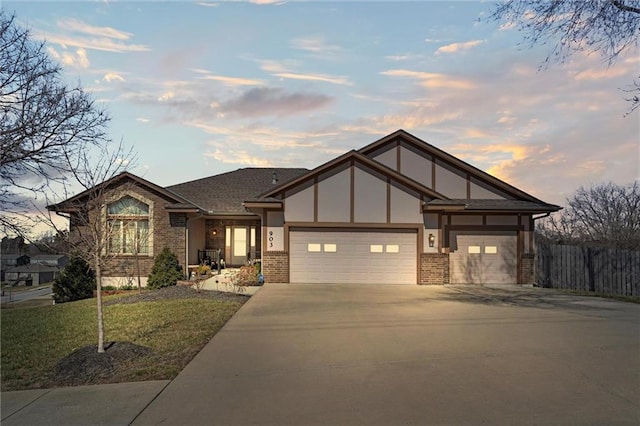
[234, 171]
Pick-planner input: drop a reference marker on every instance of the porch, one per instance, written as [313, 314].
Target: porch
[224, 242]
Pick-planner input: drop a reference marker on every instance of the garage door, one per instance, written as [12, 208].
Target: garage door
[353, 257]
[483, 258]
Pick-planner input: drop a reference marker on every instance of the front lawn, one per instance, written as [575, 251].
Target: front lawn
[174, 328]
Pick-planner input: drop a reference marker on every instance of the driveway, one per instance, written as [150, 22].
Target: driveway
[358, 354]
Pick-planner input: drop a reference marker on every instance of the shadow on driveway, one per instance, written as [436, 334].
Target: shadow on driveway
[528, 297]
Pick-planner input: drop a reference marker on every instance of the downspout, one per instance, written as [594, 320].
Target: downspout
[547, 214]
[535, 269]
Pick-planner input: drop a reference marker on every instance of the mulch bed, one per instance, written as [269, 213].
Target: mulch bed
[86, 366]
[174, 292]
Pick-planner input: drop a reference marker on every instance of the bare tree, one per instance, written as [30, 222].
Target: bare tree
[606, 215]
[90, 234]
[45, 125]
[609, 27]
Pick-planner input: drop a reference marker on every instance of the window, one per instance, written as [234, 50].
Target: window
[330, 248]
[128, 226]
[393, 248]
[473, 250]
[375, 248]
[313, 248]
[490, 250]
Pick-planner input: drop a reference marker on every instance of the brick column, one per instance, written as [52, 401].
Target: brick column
[434, 269]
[528, 269]
[275, 266]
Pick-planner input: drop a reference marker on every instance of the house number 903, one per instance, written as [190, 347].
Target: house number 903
[270, 238]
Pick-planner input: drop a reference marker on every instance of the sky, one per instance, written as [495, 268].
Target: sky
[201, 88]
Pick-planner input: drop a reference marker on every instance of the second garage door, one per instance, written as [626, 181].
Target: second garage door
[364, 257]
[483, 258]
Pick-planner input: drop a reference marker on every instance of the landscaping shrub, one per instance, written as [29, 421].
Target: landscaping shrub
[247, 275]
[203, 270]
[166, 270]
[75, 282]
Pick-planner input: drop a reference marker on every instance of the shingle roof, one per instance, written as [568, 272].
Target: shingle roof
[77, 201]
[498, 205]
[225, 193]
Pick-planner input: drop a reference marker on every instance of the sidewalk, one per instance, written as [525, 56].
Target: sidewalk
[112, 404]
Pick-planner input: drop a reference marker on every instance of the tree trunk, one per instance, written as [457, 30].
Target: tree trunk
[99, 302]
[138, 271]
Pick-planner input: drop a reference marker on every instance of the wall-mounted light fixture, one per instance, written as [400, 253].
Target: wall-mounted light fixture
[432, 240]
[214, 232]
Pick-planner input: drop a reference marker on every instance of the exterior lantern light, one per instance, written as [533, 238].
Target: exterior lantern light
[432, 240]
[214, 232]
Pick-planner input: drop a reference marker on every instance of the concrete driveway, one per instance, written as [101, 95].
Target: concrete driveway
[357, 354]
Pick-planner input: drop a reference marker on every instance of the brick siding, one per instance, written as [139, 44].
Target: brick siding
[434, 269]
[275, 266]
[168, 231]
[527, 269]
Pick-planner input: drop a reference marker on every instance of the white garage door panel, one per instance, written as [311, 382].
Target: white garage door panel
[483, 258]
[353, 261]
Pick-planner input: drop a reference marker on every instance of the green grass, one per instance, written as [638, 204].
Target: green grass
[35, 339]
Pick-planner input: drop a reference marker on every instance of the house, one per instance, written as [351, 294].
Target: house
[396, 211]
[57, 260]
[8, 260]
[31, 274]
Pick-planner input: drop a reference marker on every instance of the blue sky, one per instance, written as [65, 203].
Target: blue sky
[203, 88]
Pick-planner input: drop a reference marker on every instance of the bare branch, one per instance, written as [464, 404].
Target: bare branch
[622, 6]
[45, 125]
[606, 215]
[608, 27]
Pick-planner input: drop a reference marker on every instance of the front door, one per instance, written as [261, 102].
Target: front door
[239, 246]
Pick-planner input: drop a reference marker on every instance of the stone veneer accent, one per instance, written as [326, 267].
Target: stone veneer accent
[275, 266]
[434, 269]
[527, 269]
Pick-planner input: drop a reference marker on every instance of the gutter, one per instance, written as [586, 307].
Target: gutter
[541, 217]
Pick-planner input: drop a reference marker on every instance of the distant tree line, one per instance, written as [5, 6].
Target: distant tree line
[604, 215]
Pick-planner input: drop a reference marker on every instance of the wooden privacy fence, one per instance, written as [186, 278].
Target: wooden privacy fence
[599, 269]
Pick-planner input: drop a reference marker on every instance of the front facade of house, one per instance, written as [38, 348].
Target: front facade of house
[398, 211]
[32, 274]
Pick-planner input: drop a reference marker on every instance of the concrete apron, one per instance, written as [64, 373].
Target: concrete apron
[348, 354]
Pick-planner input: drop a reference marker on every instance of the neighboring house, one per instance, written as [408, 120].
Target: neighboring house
[397, 211]
[31, 274]
[57, 260]
[8, 260]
